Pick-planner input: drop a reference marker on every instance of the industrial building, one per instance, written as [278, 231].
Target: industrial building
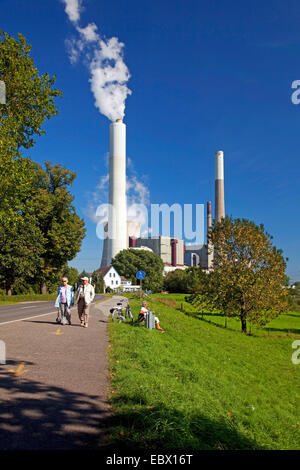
[122, 233]
[171, 250]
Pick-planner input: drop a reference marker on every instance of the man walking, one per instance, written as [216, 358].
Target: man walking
[84, 296]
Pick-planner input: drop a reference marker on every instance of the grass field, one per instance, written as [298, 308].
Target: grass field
[283, 325]
[201, 386]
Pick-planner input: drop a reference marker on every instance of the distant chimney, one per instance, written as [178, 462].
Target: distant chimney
[132, 242]
[209, 226]
[174, 251]
[219, 186]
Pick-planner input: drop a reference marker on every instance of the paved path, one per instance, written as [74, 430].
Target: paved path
[53, 387]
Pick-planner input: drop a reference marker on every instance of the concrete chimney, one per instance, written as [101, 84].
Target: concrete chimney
[219, 186]
[210, 248]
[208, 224]
[117, 219]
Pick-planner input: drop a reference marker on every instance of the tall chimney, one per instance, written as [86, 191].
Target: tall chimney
[219, 186]
[208, 225]
[210, 248]
[174, 242]
[117, 219]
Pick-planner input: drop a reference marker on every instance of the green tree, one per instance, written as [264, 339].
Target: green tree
[21, 240]
[29, 102]
[98, 281]
[176, 281]
[196, 278]
[29, 96]
[81, 275]
[71, 273]
[128, 262]
[294, 296]
[185, 281]
[248, 276]
[62, 229]
[39, 228]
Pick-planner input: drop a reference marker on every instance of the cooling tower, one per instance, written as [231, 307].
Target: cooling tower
[219, 186]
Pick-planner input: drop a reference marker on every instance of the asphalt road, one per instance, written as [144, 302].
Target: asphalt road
[54, 383]
[25, 310]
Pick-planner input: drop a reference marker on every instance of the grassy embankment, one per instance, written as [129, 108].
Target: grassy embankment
[201, 386]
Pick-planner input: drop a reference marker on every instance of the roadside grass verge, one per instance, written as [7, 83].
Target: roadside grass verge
[14, 299]
[200, 387]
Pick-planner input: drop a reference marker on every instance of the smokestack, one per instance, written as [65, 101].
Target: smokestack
[208, 228]
[132, 242]
[117, 219]
[219, 186]
[210, 248]
[174, 252]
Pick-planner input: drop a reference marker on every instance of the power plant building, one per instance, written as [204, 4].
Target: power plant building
[121, 233]
[171, 250]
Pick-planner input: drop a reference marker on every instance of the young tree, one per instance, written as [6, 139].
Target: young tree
[128, 262]
[249, 273]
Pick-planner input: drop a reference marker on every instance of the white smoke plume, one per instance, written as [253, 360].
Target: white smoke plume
[104, 58]
[72, 9]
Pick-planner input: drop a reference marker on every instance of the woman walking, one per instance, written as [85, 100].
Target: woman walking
[64, 301]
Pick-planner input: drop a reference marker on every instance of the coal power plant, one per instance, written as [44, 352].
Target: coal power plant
[121, 233]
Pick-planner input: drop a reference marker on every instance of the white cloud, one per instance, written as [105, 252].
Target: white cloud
[74, 49]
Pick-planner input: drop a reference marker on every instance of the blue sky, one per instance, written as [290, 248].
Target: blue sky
[205, 76]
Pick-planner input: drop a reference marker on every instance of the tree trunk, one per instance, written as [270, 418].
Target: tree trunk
[43, 288]
[244, 322]
[8, 286]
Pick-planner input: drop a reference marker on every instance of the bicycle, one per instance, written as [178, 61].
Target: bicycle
[128, 313]
[117, 313]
